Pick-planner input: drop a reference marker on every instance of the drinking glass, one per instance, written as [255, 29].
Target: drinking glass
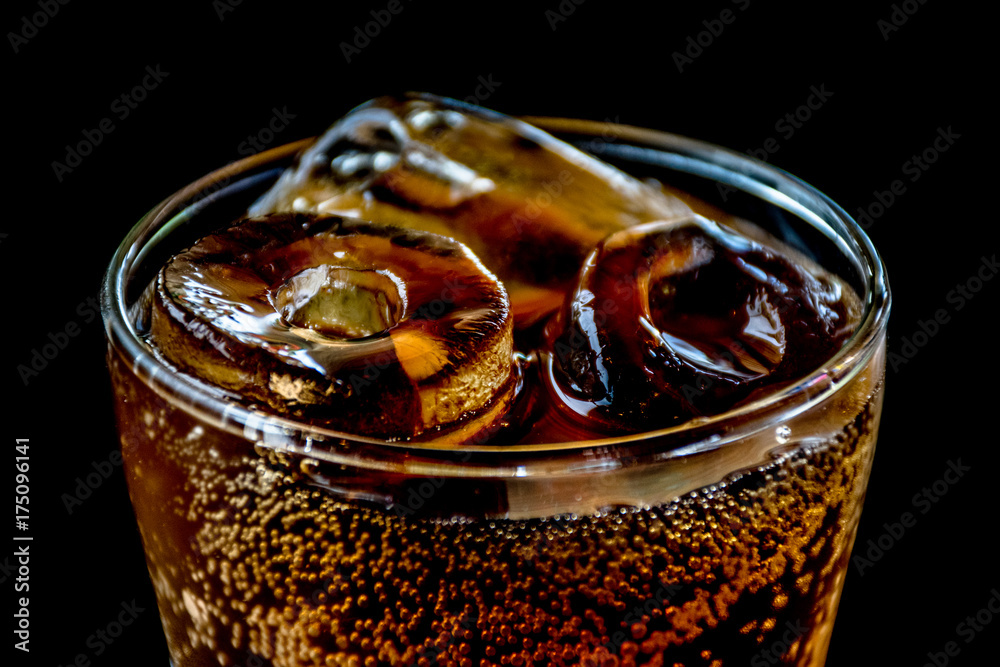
[723, 541]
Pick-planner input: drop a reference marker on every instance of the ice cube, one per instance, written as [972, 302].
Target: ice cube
[368, 329]
[530, 206]
[673, 320]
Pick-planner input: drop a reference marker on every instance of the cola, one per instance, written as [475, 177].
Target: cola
[451, 391]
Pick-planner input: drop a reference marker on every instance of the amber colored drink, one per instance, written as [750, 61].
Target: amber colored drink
[721, 540]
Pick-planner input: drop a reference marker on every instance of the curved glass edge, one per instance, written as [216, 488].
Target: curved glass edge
[698, 436]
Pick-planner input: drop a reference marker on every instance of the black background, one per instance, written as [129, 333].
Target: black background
[891, 91]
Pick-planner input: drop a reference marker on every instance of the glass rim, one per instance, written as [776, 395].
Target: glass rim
[699, 435]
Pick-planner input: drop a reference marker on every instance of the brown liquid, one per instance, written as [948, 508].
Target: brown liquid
[668, 321]
[732, 556]
[261, 559]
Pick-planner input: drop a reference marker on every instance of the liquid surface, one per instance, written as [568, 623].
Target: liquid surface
[629, 311]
